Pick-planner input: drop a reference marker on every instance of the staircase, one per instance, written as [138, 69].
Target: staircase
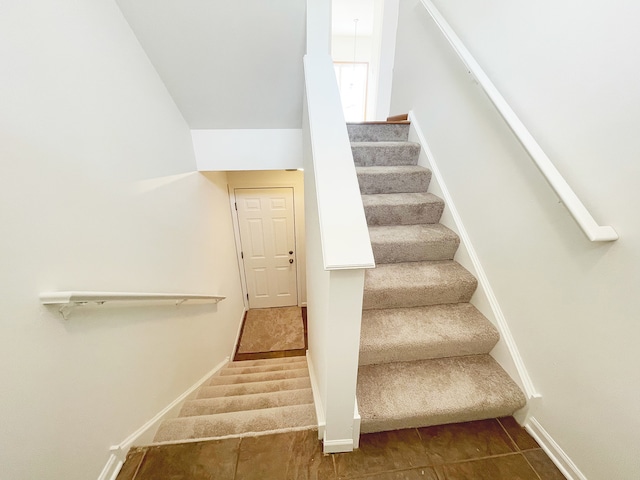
[246, 398]
[424, 349]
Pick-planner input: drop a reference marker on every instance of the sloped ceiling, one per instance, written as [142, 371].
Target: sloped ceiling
[227, 64]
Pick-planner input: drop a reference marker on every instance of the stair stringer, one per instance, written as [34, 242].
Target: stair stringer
[506, 351]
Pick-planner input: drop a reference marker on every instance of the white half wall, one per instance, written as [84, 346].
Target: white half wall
[338, 249]
[260, 149]
[567, 69]
[99, 191]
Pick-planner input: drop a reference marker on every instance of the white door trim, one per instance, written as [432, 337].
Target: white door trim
[236, 233]
[266, 218]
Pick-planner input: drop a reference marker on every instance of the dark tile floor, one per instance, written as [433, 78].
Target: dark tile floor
[483, 450]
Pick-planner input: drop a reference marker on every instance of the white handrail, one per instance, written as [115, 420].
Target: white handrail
[595, 232]
[68, 300]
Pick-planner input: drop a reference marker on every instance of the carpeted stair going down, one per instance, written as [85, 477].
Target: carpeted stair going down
[424, 349]
[246, 398]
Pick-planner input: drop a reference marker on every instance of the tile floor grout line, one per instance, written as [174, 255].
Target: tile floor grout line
[383, 472]
[422, 459]
[498, 455]
[509, 435]
[532, 467]
[436, 466]
[333, 463]
[144, 455]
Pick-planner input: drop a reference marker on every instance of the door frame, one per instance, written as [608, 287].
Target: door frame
[273, 265]
[265, 180]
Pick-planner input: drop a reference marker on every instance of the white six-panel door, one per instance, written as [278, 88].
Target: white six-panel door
[267, 235]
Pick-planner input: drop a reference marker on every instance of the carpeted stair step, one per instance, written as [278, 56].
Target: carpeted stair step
[208, 406]
[237, 423]
[401, 179]
[280, 367]
[415, 284]
[402, 208]
[258, 377]
[420, 333]
[378, 132]
[370, 154]
[412, 243]
[267, 361]
[252, 388]
[401, 395]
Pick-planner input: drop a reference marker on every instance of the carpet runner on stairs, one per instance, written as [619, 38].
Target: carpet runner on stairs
[246, 398]
[424, 349]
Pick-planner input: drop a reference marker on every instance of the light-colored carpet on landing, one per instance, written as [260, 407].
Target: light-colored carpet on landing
[272, 329]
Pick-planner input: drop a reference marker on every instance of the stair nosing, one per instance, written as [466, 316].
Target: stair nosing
[373, 416]
[217, 389]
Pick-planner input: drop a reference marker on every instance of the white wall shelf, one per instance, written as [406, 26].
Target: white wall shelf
[69, 300]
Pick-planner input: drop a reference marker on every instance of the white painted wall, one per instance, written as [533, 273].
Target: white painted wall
[318, 23]
[274, 179]
[226, 64]
[386, 26]
[374, 44]
[99, 192]
[342, 48]
[567, 69]
[247, 149]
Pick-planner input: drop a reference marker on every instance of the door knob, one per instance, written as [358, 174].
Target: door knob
[290, 252]
[291, 260]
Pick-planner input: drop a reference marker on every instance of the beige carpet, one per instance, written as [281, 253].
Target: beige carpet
[246, 398]
[434, 392]
[424, 350]
[272, 329]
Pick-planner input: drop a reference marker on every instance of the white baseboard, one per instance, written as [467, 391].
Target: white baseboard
[357, 420]
[332, 446]
[483, 280]
[317, 400]
[112, 468]
[146, 432]
[235, 344]
[337, 446]
[553, 450]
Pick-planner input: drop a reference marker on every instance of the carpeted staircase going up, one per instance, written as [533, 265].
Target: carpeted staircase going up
[424, 349]
[246, 398]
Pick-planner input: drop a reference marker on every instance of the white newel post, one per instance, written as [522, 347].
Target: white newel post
[343, 326]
